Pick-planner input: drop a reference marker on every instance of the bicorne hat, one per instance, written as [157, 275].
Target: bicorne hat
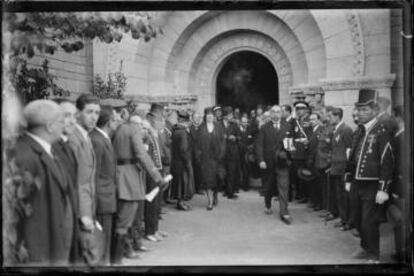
[366, 97]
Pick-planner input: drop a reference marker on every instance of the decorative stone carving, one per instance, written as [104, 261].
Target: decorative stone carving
[175, 99]
[358, 42]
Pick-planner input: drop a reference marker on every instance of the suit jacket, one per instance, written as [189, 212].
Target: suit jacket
[105, 174]
[232, 146]
[341, 141]
[68, 158]
[46, 238]
[269, 142]
[165, 144]
[313, 146]
[131, 178]
[86, 161]
[371, 157]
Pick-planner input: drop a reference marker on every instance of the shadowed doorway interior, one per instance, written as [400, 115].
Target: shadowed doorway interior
[246, 80]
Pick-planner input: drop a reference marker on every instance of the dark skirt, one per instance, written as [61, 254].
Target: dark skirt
[182, 186]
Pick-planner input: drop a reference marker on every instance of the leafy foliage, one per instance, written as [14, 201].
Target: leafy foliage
[113, 88]
[48, 31]
[35, 83]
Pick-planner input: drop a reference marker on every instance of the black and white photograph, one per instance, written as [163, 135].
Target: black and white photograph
[207, 137]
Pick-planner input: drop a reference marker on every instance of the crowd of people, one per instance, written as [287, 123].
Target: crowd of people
[103, 175]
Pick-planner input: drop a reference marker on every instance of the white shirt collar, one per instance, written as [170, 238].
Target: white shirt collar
[288, 117]
[82, 131]
[315, 128]
[338, 125]
[399, 132]
[103, 133]
[369, 124]
[44, 144]
[381, 113]
[64, 138]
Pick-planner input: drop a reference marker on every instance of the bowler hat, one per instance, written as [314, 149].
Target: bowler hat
[366, 97]
[301, 104]
[208, 110]
[306, 174]
[156, 110]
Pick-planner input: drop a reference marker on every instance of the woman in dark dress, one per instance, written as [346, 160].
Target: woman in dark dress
[210, 145]
[181, 166]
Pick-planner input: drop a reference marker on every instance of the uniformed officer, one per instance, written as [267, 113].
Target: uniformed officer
[369, 169]
[301, 133]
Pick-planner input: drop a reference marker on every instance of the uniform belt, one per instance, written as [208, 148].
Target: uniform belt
[125, 161]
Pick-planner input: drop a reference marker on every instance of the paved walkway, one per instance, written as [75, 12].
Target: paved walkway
[238, 232]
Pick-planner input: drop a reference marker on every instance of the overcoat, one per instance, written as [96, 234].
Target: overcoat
[181, 165]
[211, 149]
[43, 232]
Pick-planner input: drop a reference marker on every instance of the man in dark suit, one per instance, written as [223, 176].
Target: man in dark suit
[368, 175]
[396, 210]
[316, 185]
[68, 158]
[273, 160]
[105, 175]
[46, 232]
[232, 156]
[385, 117]
[245, 141]
[288, 118]
[341, 145]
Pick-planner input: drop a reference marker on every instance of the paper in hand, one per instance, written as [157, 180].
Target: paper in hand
[168, 178]
[151, 195]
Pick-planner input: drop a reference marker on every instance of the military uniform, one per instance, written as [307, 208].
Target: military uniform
[370, 169]
[300, 132]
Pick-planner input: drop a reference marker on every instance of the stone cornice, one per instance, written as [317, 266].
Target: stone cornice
[358, 83]
[176, 99]
[306, 89]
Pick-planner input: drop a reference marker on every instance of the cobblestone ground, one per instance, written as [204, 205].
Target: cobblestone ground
[238, 232]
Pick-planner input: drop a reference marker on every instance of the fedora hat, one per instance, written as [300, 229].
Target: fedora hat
[306, 174]
[366, 97]
[227, 110]
[182, 114]
[156, 110]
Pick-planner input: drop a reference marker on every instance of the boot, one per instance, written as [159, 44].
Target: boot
[117, 249]
[129, 252]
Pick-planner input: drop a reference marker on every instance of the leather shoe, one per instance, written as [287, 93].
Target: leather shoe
[268, 211]
[233, 197]
[360, 253]
[209, 207]
[324, 215]
[330, 217]
[143, 249]
[286, 219]
[131, 255]
[303, 200]
[355, 233]
[151, 238]
[339, 224]
[317, 208]
[169, 201]
[346, 227]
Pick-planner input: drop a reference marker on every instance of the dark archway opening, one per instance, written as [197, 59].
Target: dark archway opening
[246, 80]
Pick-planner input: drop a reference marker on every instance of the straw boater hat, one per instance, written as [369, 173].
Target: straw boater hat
[301, 104]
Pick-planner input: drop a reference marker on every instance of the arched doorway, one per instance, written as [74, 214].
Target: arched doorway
[245, 80]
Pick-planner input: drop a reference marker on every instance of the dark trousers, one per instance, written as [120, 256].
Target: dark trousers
[316, 191]
[138, 223]
[276, 180]
[368, 214]
[106, 222]
[151, 216]
[298, 184]
[397, 218]
[197, 175]
[332, 202]
[232, 175]
[342, 198]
